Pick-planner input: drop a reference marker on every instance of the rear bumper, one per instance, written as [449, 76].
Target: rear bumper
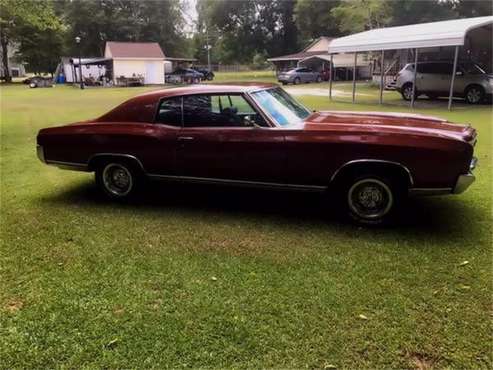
[41, 153]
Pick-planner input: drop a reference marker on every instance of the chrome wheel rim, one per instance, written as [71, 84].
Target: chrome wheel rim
[473, 95]
[370, 199]
[117, 179]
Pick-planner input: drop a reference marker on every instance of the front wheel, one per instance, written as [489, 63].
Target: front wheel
[296, 81]
[407, 92]
[370, 199]
[474, 94]
[118, 180]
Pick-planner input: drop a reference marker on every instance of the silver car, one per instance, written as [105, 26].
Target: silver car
[299, 75]
[433, 80]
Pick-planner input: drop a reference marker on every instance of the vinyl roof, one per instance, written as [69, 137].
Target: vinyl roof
[423, 35]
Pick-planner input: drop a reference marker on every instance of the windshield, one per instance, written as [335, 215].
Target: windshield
[281, 106]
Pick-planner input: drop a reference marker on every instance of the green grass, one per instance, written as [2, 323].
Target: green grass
[199, 277]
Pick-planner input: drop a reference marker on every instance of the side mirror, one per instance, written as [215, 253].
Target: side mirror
[250, 122]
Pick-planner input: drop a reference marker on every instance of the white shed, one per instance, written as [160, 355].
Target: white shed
[136, 59]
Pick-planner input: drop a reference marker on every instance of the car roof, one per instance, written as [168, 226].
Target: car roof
[236, 88]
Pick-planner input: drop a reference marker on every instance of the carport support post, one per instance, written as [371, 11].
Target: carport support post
[381, 78]
[451, 94]
[414, 76]
[354, 76]
[330, 75]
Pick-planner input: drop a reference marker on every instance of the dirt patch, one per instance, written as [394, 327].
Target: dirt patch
[14, 305]
[423, 361]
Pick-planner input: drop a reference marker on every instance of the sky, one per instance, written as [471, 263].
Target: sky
[190, 14]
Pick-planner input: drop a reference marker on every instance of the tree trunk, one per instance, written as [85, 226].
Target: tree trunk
[4, 40]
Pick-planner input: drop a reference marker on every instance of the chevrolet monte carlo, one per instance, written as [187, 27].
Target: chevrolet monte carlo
[257, 135]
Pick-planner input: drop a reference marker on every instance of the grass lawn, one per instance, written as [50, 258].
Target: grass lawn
[215, 277]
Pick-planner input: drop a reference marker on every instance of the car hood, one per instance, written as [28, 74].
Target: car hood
[389, 122]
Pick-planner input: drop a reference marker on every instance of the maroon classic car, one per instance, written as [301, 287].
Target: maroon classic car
[257, 135]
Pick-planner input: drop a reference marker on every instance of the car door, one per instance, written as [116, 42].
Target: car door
[305, 75]
[219, 142]
[161, 158]
[310, 75]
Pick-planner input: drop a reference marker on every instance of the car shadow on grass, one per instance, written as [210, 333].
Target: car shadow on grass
[438, 216]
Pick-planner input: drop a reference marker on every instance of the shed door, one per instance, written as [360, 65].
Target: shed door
[152, 73]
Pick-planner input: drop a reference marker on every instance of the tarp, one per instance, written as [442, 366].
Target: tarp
[423, 35]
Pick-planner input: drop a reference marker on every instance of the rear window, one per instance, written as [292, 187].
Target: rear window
[169, 112]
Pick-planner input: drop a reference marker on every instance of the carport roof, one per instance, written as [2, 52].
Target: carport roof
[423, 35]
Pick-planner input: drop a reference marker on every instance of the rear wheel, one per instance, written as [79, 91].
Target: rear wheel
[118, 180]
[407, 92]
[474, 94]
[319, 79]
[370, 199]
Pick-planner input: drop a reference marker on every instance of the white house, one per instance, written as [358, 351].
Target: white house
[136, 59]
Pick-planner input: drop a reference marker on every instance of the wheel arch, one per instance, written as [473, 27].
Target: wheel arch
[474, 84]
[98, 158]
[354, 167]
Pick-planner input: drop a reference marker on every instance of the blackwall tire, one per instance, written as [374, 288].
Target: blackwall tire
[474, 94]
[407, 92]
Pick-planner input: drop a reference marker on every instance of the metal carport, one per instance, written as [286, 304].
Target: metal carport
[415, 36]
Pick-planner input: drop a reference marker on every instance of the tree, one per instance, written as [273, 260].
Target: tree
[244, 28]
[18, 15]
[98, 21]
[360, 15]
[314, 19]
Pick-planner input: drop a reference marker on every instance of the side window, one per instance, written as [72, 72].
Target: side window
[169, 112]
[424, 68]
[219, 111]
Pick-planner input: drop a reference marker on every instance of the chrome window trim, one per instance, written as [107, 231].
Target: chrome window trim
[367, 160]
[245, 183]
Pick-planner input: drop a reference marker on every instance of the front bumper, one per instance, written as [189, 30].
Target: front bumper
[284, 78]
[461, 184]
[465, 180]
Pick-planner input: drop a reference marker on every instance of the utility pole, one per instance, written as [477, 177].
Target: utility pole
[77, 41]
[208, 49]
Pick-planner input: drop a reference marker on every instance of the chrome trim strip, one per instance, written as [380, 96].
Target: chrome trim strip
[430, 191]
[473, 164]
[256, 184]
[74, 166]
[411, 180]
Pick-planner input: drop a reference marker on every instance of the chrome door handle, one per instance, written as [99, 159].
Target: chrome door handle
[185, 138]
